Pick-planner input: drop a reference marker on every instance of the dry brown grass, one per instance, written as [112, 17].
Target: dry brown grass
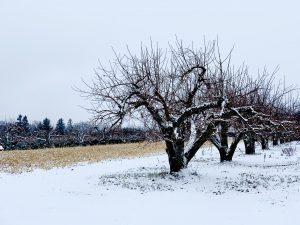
[27, 160]
[18, 161]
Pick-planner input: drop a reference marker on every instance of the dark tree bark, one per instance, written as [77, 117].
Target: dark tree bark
[282, 140]
[234, 144]
[175, 155]
[224, 134]
[226, 152]
[249, 141]
[275, 140]
[264, 142]
[178, 158]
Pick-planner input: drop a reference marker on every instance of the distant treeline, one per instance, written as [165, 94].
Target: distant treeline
[20, 134]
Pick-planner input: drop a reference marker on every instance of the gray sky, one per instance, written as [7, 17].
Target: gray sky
[48, 46]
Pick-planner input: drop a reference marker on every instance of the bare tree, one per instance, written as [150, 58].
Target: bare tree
[171, 88]
[237, 87]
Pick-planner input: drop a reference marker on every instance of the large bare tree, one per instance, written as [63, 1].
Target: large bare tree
[171, 88]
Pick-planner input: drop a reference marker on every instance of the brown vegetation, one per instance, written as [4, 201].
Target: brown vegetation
[18, 160]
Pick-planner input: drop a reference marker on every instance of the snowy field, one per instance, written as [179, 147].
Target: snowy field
[258, 189]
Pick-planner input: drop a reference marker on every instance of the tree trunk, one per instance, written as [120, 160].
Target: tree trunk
[175, 151]
[249, 142]
[225, 155]
[226, 152]
[199, 142]
[275, 139]
[264, 143]
[234, 145]
[176, 163]
[224, 135]
[223, 150]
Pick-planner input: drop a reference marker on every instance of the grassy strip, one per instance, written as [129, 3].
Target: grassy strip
[18, 161]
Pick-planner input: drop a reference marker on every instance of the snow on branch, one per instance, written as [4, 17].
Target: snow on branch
[196, 110]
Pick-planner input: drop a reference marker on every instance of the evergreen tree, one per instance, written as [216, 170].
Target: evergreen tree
[25, 124]
[40, 126]
[46, 125]
[19, 121]
[60, 127]
[69, 126]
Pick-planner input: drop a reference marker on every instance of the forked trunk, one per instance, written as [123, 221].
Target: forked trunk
[226, 152]
[178, 158]
[225, 155]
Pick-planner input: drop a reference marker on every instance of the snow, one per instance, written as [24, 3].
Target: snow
[192, 138]
[224, 102]
[253, 189]
[239, 115]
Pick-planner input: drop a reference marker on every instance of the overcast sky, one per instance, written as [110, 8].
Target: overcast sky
[48, 46]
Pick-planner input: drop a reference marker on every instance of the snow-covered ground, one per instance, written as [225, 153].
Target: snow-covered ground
[258, 189]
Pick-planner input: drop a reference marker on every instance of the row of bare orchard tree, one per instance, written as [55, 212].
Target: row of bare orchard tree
[192, 96]
[21, 134]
